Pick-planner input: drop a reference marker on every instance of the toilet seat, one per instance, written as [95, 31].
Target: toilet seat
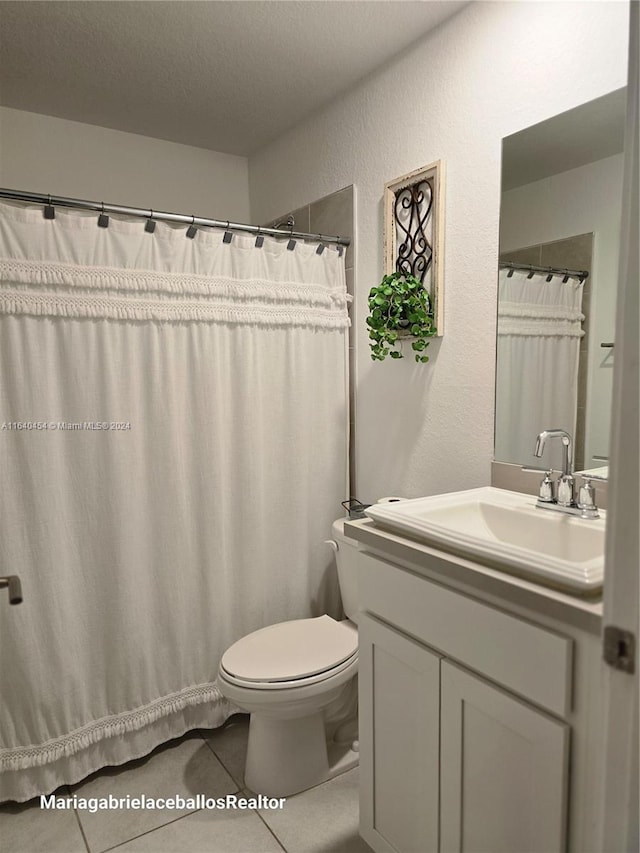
[291, 654]
[293, 683]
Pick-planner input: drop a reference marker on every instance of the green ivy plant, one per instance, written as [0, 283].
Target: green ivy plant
[399, 307]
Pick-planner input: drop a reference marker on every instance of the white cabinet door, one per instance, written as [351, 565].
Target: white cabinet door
[504, 770]
[399, 720]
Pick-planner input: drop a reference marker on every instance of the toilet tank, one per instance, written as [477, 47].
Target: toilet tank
[346, 561]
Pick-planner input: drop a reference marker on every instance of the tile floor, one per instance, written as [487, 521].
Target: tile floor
[321, 820]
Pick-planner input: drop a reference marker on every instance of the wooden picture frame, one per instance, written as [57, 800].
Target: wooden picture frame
[407, 209]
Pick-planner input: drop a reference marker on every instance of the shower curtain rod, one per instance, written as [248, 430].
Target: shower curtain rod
[532, 268]
[53, 201]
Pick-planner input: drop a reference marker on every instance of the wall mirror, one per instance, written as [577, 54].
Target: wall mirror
[561, 205]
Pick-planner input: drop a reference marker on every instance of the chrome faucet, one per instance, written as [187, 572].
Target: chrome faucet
[566, 483]
[560, 496]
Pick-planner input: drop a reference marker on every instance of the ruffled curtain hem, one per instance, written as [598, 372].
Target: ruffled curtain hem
[111, 742]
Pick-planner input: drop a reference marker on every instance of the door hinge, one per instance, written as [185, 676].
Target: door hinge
[620, 649]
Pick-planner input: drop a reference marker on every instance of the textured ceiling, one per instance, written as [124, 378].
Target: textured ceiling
[229, 76]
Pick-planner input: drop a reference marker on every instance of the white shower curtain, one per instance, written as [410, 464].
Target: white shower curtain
[539, 331]
[173, 443]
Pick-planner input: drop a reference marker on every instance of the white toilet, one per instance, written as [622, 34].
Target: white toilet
[285, 676]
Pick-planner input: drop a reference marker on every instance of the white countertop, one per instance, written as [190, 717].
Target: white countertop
[490, 584]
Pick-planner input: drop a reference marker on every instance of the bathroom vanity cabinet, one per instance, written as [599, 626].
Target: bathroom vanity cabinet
[479, 706]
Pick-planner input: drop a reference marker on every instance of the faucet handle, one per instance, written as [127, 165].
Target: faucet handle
[546, 490]
[587, 496]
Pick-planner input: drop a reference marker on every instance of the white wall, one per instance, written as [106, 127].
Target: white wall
[490, 71]
[40, 153]
[583, 200]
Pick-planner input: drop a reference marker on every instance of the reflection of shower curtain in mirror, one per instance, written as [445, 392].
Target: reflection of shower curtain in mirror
[539, 331]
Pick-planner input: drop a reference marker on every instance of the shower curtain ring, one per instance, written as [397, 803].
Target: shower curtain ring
[292, 243]
[49, 210]
[192, 230]
[259, 239]
[103, 219]
[150, 225]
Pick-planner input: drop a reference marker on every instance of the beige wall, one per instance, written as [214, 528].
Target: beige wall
[492, 70]
[44, 154]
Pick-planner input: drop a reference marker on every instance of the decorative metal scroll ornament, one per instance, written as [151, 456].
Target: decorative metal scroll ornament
[412, 210]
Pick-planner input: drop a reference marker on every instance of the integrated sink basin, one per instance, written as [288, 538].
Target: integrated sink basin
[504, 530]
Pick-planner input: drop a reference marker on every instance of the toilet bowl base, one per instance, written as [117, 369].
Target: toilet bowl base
[287, 756]
[347, 732]
[342, 757]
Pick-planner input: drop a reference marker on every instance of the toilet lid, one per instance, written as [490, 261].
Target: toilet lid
[291, 650]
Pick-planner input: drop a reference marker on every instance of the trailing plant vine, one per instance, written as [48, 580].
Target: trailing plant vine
[399, 308]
